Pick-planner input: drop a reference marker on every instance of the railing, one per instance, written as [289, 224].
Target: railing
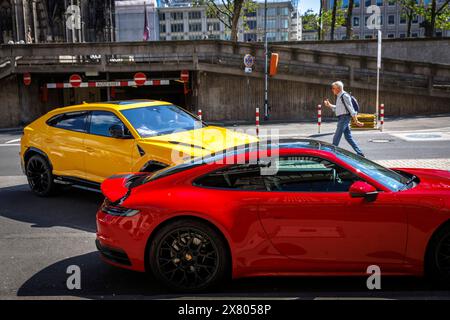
[293, 61]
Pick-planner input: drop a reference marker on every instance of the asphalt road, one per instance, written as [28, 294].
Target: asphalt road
[40, 238]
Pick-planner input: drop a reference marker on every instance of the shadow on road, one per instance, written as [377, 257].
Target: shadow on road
[73, 208]
[101, 281]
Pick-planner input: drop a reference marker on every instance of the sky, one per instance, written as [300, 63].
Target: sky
[309, 4]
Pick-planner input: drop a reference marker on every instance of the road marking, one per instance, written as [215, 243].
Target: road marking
[423, 136]
[9, 144]
[12, 141]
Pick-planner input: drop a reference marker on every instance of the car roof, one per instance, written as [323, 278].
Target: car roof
[283, 144]
[111, 105]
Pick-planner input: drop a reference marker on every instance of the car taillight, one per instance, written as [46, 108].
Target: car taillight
[116, 210]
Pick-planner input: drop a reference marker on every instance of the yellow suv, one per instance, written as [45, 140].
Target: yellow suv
[84, 144]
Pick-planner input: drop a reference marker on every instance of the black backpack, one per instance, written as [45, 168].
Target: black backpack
[354, 102]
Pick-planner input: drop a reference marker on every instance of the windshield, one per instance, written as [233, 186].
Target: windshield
[387, 177]
[159, 120]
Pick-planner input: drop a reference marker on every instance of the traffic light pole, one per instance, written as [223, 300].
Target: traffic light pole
[266, 77]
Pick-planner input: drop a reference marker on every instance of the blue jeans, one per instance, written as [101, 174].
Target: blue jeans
[343, 127]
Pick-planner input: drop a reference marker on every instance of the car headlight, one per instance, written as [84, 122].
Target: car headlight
[116, 210]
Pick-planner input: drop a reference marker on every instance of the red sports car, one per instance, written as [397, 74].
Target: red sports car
[313, 209]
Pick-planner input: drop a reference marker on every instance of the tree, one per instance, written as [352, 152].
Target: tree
[410, 9]
[319, 29]
[434, 17]
[348, 21]
[333, 19]
[328, 19]
[228, 12]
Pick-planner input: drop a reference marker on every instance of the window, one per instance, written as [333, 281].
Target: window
[162, 16]
[402, 17]
[415, 35]
[162, 28]
[101, 121]
[195, 15]
[195, 27]
[213, 26]
[176, 15]
[379, 3]
[251, 24]
[272, 11]
[239, 177]
[415, 19]
[159, 120]
[357, 3]
[293, 174]
[391, 19]
[402, 35]
[271, 24]
[356, 21]
[178, 27]
[250, 37]
[74, 121]
[369, 36]
[391, 35]
[284, 36]
[392, 2]
[284, 23]
[368, 3]
[195, 37]
[271, 36]
[284, 11]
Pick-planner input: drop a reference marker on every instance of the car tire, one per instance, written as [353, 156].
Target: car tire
[437, 260]
[188, 255]
[40, 177]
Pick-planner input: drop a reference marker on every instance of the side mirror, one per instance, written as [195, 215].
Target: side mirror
[117, 131]
[361, 189]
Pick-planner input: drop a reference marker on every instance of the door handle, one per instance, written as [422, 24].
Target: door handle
[89, 149]
[48, 140]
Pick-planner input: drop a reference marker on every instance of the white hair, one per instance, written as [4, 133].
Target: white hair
[338, 84]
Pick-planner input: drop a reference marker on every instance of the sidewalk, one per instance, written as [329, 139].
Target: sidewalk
[310, 129]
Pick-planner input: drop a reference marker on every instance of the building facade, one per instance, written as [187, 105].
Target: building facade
[192, 22]
[130, 20]
[34, 21]
[393, 20]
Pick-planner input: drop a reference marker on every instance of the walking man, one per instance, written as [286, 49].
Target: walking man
[345, 112]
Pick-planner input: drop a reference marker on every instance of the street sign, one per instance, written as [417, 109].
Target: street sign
[249, 60]
[75, 80]
[184, 75]
[140, 78]
[27, 79]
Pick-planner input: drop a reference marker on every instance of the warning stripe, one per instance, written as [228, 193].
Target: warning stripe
[102, 84]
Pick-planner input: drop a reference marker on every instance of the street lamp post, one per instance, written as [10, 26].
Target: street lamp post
[266, 78]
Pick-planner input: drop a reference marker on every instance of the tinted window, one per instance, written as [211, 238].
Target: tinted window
[295, 174]
[101, 121]
[160, 120]
[240, 177]
[75, 121]
[309, 174]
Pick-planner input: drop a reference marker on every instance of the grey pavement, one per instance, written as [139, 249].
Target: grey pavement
[40, 238]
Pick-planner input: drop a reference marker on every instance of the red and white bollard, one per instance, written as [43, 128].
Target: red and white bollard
[319, 117]
[199, 114]
[257, 121]
[381, 116]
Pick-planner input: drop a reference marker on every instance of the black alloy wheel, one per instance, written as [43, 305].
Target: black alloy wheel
[39, 175]
[188, 255]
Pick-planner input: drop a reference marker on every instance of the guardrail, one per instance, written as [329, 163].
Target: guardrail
[293, 61]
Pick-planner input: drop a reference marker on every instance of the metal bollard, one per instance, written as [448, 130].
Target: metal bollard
[319, 117]
[381, 116]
